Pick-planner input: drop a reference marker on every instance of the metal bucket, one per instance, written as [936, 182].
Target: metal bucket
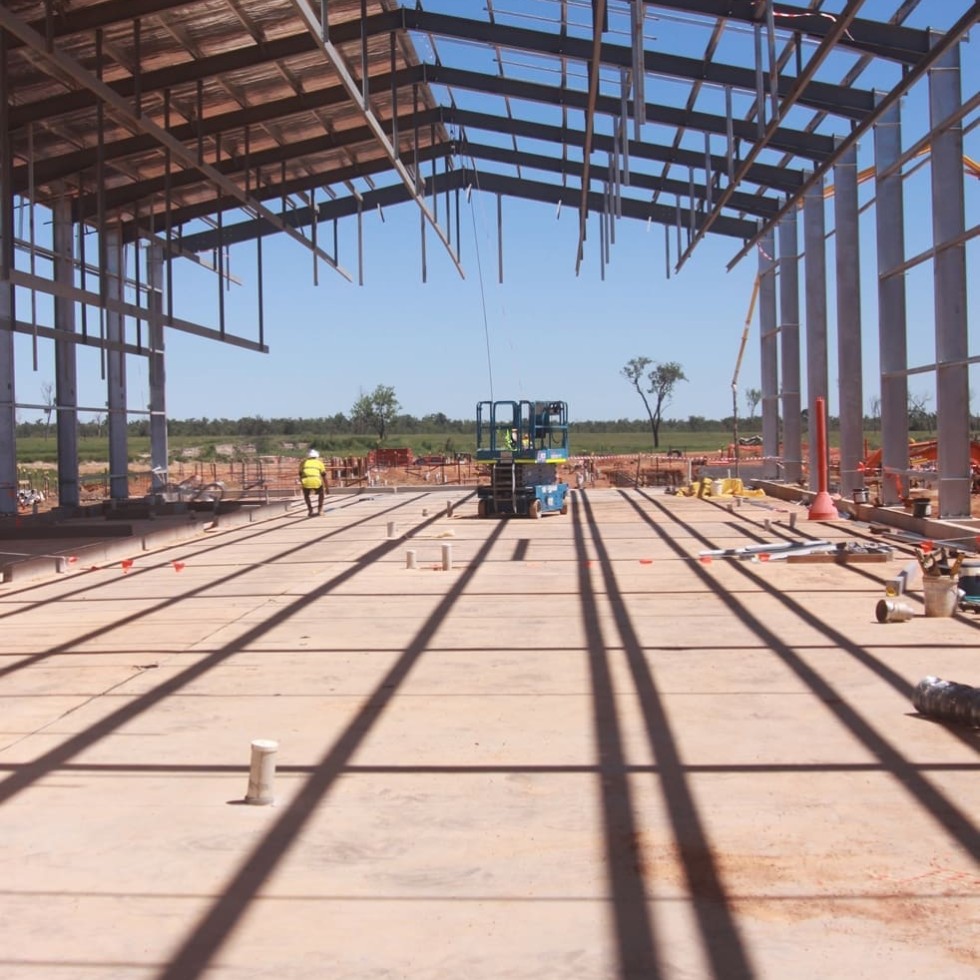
[940, 594]
[893, 611]
[861, 495]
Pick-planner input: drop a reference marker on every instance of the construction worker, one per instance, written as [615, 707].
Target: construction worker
[313, 479]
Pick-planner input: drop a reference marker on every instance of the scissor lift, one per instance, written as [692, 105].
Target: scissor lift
[523, 442]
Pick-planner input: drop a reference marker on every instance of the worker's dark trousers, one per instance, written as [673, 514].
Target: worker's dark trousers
[308, 497]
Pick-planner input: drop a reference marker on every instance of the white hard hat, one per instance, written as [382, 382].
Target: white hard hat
[312, 454]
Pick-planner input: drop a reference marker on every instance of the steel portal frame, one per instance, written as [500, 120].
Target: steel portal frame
[148, 124]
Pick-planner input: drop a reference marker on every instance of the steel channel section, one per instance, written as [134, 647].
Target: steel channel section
[769, 357]
[815, 292]
[892, 322]
[949, 271]
[789, 348]
[157, 365]
[116, 368]
[65, 357]
[848, 283]
[8, 310]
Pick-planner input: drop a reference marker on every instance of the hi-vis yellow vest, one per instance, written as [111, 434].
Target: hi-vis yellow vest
[311, 473]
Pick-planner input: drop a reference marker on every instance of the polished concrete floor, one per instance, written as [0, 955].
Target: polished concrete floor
[583, 750]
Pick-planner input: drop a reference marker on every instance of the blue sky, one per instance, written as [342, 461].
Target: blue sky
[543, 333]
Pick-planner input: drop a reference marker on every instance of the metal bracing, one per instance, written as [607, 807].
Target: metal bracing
[65, 357]
[849, 361]
[815, 292]
[892, 329]
[359, 99]
[769, 357]
[949, 268]
[789, 349]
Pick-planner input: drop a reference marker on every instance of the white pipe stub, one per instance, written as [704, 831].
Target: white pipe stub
[262, 772]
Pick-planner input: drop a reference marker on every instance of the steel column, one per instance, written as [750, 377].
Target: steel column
[116, 369]
[848, 267]
[892, 328]
[8, 413]
[769, 357]
[157, 367]
[815, 289]
[949, 270]
[789, 341]
[65, 358]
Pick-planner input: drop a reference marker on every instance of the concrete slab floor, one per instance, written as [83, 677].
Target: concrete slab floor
[581, 752]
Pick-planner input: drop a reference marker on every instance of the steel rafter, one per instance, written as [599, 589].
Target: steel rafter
[463, 179]
[60, 62]
[941, 46]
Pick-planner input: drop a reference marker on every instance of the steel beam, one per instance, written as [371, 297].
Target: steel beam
[769, 358]
[789, 348]
[121, 108]
[892, 329]
[848, 280]
[815, 291]
[836, 99]
[339, 65]
[949, 271]
[463, 178]
[86, 298]
[65, 357]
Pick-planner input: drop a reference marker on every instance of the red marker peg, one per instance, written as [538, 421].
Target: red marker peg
[178, 566]
[705, 559]
[126, 564]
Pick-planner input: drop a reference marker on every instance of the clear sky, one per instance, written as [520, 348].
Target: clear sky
[543, 333]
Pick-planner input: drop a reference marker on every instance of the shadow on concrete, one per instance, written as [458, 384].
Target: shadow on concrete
[946, 814]
[722, 941]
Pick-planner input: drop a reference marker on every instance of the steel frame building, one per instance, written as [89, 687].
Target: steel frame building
[154, 132]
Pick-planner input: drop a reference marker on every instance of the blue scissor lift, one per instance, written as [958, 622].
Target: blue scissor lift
[523, 442]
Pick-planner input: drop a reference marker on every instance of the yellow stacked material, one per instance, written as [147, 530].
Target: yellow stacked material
[728, 487]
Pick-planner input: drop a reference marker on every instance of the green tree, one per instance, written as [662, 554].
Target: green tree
[752, 398]
[375, 411]
[661, 379]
